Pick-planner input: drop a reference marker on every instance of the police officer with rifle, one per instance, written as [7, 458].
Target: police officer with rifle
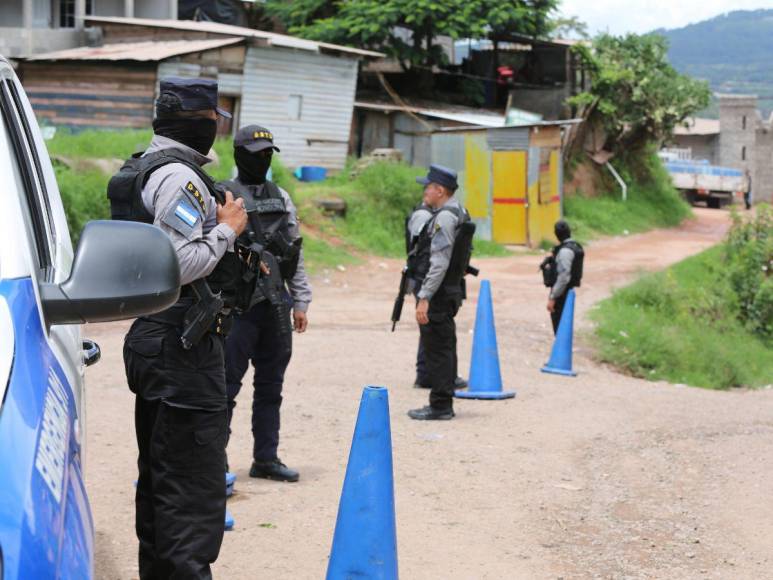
[174, 360]
[438, 259]
[263, 334]
[414, 224]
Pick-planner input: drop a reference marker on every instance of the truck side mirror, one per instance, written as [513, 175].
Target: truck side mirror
[121, 270]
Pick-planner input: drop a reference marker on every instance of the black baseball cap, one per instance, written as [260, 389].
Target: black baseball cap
[254, 138]
[441, 175]
[194, 94]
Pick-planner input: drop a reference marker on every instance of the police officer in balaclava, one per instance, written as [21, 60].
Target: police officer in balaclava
[263, 334]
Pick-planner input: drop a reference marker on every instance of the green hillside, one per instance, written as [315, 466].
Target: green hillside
[733, 52]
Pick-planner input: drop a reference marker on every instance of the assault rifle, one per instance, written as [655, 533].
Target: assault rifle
[272, 286]
[397, 310]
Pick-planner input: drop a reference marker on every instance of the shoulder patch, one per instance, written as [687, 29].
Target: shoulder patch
[186, 213]
[182, 216]
[192, 190]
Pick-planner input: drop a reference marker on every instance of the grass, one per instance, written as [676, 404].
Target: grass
[681, 326]
[320, 255]
[652, 202]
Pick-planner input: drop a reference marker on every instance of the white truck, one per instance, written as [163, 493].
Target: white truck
[700, 181]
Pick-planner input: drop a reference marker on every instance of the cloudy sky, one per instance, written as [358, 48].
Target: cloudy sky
[620, 16]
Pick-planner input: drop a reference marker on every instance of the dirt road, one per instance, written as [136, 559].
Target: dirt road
[600, 476]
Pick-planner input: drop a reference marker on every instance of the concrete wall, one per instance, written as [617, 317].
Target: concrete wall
[109, 7]
[155, 9]
[702, 146]
[14, 42]
[10, 14]
[738, 120]
[762, 177]
[742, 127]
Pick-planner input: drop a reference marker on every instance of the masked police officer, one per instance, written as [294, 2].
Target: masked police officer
[568, 257]
[437, 260]
[263, 334]
[180, 408]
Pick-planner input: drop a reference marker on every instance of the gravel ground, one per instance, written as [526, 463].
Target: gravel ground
[599, 476]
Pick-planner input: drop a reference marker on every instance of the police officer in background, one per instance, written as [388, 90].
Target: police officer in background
[568, 256]
[438, 286]
[263, 334]
[180, 407]
[421, 214]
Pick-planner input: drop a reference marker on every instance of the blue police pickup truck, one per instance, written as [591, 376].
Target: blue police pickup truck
[120, 270]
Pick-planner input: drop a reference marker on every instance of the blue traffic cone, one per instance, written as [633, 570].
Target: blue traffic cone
[485, 380]
[560, 362]
[365, 540]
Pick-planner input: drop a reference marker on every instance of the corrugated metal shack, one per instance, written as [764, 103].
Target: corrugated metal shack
[302, 90]
[410, 128]
[113, 85]
[510, 178]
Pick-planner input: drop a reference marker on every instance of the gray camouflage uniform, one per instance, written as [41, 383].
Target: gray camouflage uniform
[199, 241]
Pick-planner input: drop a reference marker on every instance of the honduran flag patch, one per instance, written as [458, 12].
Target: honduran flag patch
[186, 213]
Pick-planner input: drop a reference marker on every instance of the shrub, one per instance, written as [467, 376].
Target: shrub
[749, 265]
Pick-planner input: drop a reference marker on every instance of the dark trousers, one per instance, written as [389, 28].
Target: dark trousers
[555, 316]
[438, 340]
[421, 366]
[180, 499]
[254, 338]
[180, 424]
[747, 199]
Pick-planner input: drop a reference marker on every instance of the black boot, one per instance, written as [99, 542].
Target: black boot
[460, 383]
[430, 413]
[274, 469]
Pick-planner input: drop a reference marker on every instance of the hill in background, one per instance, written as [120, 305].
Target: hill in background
[733, 52]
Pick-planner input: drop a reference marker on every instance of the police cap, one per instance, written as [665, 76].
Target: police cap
[441, 175]
[254, 138]
[194, 94]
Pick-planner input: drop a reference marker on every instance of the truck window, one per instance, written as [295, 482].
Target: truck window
[23, 159]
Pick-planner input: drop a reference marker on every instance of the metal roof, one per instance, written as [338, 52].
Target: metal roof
[466, 115]
[698, 126]
[270, 38]
[564, 123]
[148, 51]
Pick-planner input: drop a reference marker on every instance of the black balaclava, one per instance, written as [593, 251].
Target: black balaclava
[563, 232]
[252, 167]
[197, 133]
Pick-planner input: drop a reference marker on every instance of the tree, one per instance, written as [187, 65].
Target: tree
[569, 27]
[381, 24]
[636, 95]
